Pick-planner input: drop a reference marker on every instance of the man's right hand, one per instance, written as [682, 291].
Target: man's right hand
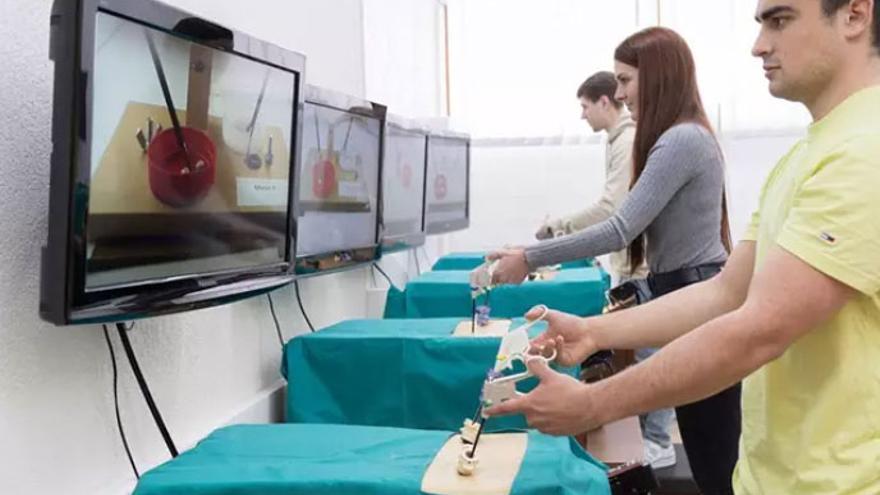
[544, 233]
[566, 333]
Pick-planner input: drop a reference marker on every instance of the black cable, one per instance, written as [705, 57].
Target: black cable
[473, 316]
[301, 308]
[169, 103]
[275, 318]
[478, 413]
[116, 403]
[145, 390]
[477, 438]
[377, 267]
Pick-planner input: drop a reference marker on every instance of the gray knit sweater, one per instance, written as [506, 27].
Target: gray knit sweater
[676, 202]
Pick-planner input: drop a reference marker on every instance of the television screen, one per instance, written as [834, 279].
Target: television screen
[172, 166]
[403, 186]
[448, 183]
[338, 182]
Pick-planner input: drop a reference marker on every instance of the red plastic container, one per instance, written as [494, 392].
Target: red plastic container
[440, 188]
[171, 180]
[323, 179]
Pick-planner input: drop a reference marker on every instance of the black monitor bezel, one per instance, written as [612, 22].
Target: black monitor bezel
[448, 226]
[341, 259]
[405, 242]
[64, 299]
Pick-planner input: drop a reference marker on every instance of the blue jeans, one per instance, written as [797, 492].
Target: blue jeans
[655, 424]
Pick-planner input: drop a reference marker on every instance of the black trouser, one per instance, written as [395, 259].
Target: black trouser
[709, 428]
[710, 432]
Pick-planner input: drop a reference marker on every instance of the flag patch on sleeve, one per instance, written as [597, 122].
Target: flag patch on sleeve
[828, 238]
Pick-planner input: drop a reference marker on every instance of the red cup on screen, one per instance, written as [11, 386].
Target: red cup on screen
[440, 188]
[323, 179]
[174, 181]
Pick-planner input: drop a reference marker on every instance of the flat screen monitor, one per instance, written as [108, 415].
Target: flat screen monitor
[174, 141]
[403, 186]
[337, 202]
[447, 200]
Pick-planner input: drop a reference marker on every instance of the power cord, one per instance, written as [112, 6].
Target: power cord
[377, 267]
[145, 389]
[116, 403]
[301, 308]
[275, 318]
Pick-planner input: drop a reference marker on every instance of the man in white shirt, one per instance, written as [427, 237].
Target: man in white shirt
[604, 113]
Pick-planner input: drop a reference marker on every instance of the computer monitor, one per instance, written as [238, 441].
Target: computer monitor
[447, 199]
[147, 217]
[337, 202]
[403, 185]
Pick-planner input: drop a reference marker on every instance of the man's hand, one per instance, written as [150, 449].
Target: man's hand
[567, 334]
[544, 232]
[512, 267]
[559, 405]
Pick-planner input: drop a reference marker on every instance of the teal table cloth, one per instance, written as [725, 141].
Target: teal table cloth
[351, 460]
[442, 294]
[472, 259]
[401, 373]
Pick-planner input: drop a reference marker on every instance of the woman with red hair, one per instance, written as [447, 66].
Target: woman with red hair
[674, 217]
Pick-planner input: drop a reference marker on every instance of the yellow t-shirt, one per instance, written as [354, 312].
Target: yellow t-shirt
[811, 419]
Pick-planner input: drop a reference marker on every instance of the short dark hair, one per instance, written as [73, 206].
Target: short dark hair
[598, 85]
[830, 7]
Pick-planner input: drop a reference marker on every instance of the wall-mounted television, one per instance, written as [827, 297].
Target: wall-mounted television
[403, 185]
[147, 217]
[337, 197]
[447, 198]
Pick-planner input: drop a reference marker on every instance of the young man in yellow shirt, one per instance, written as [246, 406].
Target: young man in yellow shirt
[795, 313]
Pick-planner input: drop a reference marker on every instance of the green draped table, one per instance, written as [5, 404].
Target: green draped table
[469, 260]
[306, 459]
[395, 372]
[579, 291]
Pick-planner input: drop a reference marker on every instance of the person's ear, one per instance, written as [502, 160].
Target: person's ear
[858, 18]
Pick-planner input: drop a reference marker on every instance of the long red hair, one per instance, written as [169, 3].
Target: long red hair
[668, 95]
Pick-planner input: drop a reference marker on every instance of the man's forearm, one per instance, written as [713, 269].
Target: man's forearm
[786, 300]
[667, 318]
[696, 366]
[664, 319]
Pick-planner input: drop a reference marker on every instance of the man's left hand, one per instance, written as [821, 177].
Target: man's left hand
[559, 405]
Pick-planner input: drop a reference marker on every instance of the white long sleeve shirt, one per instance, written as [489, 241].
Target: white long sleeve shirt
[618, 174]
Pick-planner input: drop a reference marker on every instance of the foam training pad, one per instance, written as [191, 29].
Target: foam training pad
[308, 459]
[499, 456]
[495, 328]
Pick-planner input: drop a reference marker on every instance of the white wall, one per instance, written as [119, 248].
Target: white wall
[518, 77]
[57, 430]
[517, 64]
[514, 186]
[330, 34]
[516, 182]
[404, 60]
